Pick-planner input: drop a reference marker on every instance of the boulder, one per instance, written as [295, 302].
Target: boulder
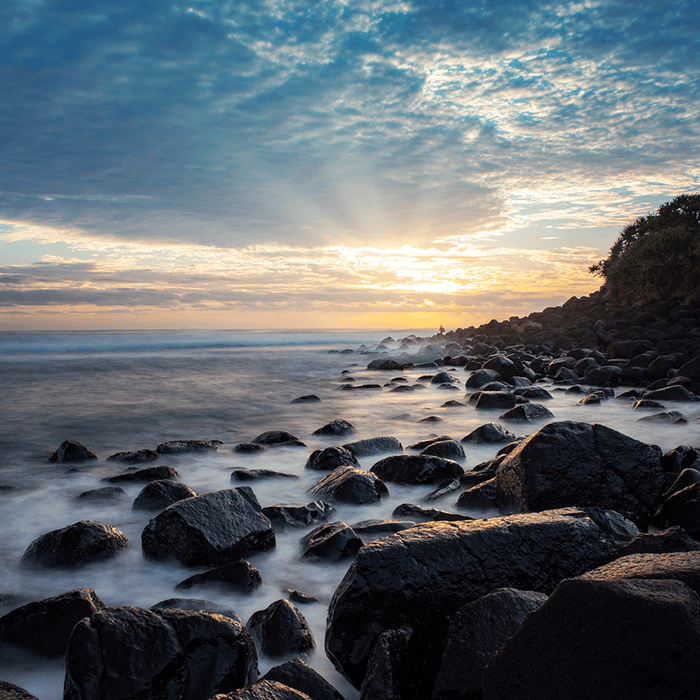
[505, 368]
[147, 474]
[679, 458]
[259, 474]
[10, 691]
[422, 514]
[480, 377]
[389, 674]
[239, 576]
[44, 626]
[281, 629]
[691, 369]
[331, 458]
[609, 375]
[350, 485]
[138, 457]
[330, 542]
[489, 433]
[248, 447]
[416, 469]
[533, 392]
[495, 399]
[527, 413]
[421, 576]
[447, 449]
[128, 653]
[576, 464]
[76, 545]
[276, 438]
[296, 674]
[336, 427]
[308, 398]
[197, 604]
[603, 639]
[162, 493]
[72, 451]
[682, 508]
[673, 539]
[381, 527]
[105, 494]
[187, 447]
[675, 392]
[286, 515]
[265, 690]
[477, 631]
[210, 530]
[374, 446]
[442, 378]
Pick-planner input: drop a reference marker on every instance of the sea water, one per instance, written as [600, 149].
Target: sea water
[124, 391]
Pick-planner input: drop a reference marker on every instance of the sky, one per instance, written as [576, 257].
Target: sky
[330, 164]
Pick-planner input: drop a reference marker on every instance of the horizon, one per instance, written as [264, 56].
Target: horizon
[270, 164]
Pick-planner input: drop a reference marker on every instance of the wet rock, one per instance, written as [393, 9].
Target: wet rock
[286, 515]
[72, 451]
[536, 393]
[430, 419]
[9, 691]
[495, 399]
[480, 377]
[453, 404]
[301, 598]
[350, 485]
[265, 690]
[296, 674]
[374, 446]
[691, 369]
[442, 378]
[131, 653]
[104, 495]
[679, 458]
[210, 530]
[577, 464]
[670, 417]
[527, 413]
[686, 478]
[281, 629]
[76, 545]
[147, 474]
[336, 427]
[388, 365]
[505, 368]
[447, 449]
[416, 469]
[477, 631]
[330, 542]
[683, 509]
[603, 376]
[331, 458]
[381, 527]
[422, 514]
[247, 447]
[389, 674]
[44, 626]
[139, 457]
[308, 398]
[483, 496]
[675, 392]
[421, 576]
[197, 604]
[646, 403]
[186, 447]
[277, 438]
[239, 576]
[259, 474]
[489, 433]
[162, 493]
[673, 539]
[442, 490]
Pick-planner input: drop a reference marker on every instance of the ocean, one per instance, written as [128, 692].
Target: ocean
[124, 391]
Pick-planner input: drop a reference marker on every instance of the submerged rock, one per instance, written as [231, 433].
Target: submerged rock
[416, 469]
[285, 515]
[239, 576]
[331, 458]
[374, 446]
[336, 427]
[72, 451]
[330, 542]
[147, 474]
[162, 493]
[184, 447]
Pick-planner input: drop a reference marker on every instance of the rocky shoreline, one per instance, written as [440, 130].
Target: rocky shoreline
[583, 582]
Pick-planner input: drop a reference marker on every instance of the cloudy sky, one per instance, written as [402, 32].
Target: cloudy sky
[341, 163]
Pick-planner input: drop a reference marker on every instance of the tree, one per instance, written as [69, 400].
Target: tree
[657, 256]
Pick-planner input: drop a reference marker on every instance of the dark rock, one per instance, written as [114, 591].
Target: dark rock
[373, 446]
[489, 433]
[477, 631]
[422, 444]
[72, 451]
[337, 427]
[691, 369]
[442, 490]
[533, 392]
[675, 392]
[330, 542]
[480, 377]
[453, 404]
[301, 598]
[527, 413]
[275, 438]
[603, 376]
[674, 539]
[266, 690]
[603, 639]
[186, 447]
[350, 485]
[389, 674]
[682, 508]
[239, 576]
[331, 458]
[210, 530]
[135, 654]
[577, 464]
[9, 691]
[646, 403]
[286, 515]
[258, 474]
[383, 527]
[421, 576]
[281, 629]
[44, 626]
[248, 447]
[76, 545]
[659, 367]
[147, 474]
[447, 449]
[416, 469]
[442, 378]
[679, 458]
[670, 417]
[483, 496]
[404, 388]
[309, 398]
[495, 399]
[296, 674]
[430, 419]
[505, 368]
[686, 478]
[139, 457]
[411, 510]
[162, 493]
[197, 604]
[103, 495]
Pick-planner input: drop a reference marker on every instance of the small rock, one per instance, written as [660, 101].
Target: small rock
[238, 576]
[277, 438]
[330, 542]
[184, 447]
[286, 515]
[336, 427]
[103, 495]
[162, 493]
[72, 451]
[350, 485]
[258, 474]
[147, 474]
[138, 457]
[331, 458]
[309, 398]
[281, 629]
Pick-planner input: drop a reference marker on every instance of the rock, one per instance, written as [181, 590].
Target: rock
[210, 530]
[331, 458]
[76, 545]
[239, 576]
[383, 527]
[276, 438]
[682, 508]
[691, 369]
[527, 413]
[533, 392]
[330, 542]
[139, 457]
[453, 404]
[421, 576]
[281, 629]
[162, 493]
[147, 474]
[686, 478]
[673, 539]
[265, 690]
[197, 604]
[350, 485]
[447, 449]
[603, 376]
[246, 447]
[374, 446]
[186, 447]
[103, 495]
[679, 458]
[646, 403]
[416, 469]
[44, 626]
[258, 474]
[675, 392]
[442, 490]
[389, 675]
[483, 496]
[489, 433]
[477, 631]
[296, 674]
[9, 691]
[670, 417]
[285, 515]
[481, 377]
[336, 427]
[495, 399]
[442, 378]
[410, 510]
[577, 464]
[135, 654]
[603, 639]
[301, 598]
[72, 451]
[309, 398]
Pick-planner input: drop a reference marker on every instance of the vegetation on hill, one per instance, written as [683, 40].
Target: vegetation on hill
[657, 256]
